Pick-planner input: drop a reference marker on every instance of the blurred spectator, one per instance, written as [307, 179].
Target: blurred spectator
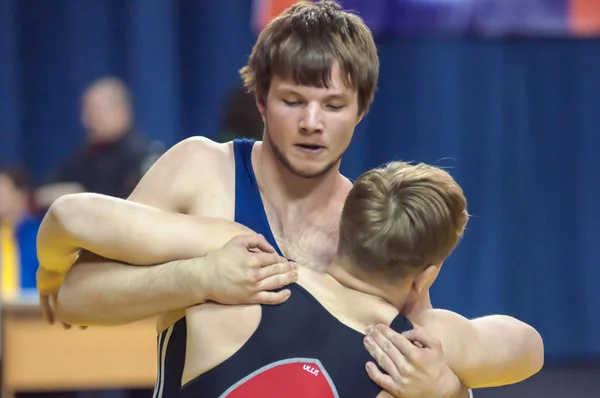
[115, 156]
[240, 117]
[18, 232]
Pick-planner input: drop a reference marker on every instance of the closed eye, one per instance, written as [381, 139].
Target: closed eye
[291, 103]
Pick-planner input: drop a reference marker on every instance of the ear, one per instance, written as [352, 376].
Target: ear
[423, 281]
[360, 118]
[260, 105]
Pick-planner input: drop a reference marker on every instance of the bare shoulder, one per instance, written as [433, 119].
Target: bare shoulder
[180, 175]
[198, 151]
[201, 159]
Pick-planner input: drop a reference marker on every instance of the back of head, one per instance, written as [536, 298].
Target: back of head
[400, 219]
[305, 42]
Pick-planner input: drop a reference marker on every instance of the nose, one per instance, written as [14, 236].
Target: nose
[311, 121]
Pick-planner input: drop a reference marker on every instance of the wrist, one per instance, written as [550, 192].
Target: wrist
[195, 279]
[458, 389]
[461, 391]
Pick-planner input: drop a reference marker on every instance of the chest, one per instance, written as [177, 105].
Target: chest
[311, 242]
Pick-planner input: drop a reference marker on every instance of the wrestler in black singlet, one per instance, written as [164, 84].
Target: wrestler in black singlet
[299, 350]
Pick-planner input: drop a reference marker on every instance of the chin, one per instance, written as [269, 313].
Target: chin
[302, 166]
[312, 170]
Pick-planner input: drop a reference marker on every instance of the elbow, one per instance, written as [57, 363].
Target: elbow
[77, 302]
[534, 345]
[527, 348]
[517, 355]
[63, 212]
[69, 306]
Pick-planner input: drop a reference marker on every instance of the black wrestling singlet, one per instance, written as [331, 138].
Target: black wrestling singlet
[299, 350]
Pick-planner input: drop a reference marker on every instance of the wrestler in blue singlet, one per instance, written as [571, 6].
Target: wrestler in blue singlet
[299, 348]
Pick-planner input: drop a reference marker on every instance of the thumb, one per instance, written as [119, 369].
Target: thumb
[419, 336]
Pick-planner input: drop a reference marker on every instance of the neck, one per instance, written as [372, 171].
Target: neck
[309, 195]
[392, 294]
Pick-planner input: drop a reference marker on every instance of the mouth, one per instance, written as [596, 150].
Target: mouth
[310, 148]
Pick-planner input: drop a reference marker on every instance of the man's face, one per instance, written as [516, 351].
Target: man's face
[310, 128]
[103, 116]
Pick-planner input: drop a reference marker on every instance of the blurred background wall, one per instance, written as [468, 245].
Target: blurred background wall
[504, 93]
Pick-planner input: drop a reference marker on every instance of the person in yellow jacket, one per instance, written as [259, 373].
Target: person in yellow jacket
[18, 232]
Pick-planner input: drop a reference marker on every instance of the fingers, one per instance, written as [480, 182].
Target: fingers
[278, 281]
[255, 241]
[400, 341]
[284, 269]
[272, 298]
[48, 307]
[47, 311]
[280, 268]
[53, 299]
[383, 351]
[382, 380]
[273, 277]
[419, 335]
[259, 260]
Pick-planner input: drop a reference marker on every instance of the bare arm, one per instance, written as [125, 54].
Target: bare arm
[138, 242]
[485, 352]
[100, 291]
[125, 231]
[117, 294]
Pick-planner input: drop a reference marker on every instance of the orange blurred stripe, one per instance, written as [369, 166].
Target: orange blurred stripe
[269, 9]
[585, 16]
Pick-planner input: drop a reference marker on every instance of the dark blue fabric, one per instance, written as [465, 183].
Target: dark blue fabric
[249, 209]
[516, 120]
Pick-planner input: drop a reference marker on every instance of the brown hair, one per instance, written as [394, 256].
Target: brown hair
[401, 218]
[305, 41]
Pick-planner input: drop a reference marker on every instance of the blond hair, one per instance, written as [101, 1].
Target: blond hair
[401, 218]
[303, 44]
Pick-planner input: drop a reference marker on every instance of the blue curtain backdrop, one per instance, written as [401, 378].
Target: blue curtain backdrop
[517, 121]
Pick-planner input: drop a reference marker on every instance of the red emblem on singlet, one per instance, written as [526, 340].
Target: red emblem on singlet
[290, 378]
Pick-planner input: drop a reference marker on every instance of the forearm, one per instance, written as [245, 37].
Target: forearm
[96, 292]
[99, 291]
[138, 234]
